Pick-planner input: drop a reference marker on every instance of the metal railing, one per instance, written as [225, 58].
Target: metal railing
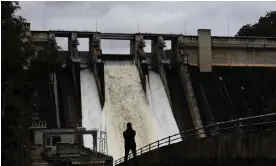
[254, 123]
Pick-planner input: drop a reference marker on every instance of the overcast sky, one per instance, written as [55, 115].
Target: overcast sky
[155, 17]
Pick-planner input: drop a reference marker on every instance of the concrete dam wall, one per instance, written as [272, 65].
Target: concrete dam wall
[179, 101]
[69, 100]
[162, 95]
[221, 95]
[233, 92]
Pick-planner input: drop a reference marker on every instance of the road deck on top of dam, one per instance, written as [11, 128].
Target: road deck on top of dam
[131, 36]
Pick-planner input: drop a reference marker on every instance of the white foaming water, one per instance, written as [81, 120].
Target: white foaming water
[160, 106]
[160, 134]
[125, 101]
[91, 106]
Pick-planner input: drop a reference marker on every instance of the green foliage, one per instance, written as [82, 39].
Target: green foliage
[12, 33]
[265, 27]
[19, 93]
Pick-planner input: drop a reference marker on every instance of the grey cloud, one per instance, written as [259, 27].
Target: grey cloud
[61, 4]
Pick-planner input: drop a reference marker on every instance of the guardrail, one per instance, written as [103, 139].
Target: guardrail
[254, 123]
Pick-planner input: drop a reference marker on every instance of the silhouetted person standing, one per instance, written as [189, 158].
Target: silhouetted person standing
[130, 144]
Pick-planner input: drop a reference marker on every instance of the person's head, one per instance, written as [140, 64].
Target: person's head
[129, 126]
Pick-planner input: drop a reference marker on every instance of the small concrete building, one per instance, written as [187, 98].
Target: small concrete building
[54, 147]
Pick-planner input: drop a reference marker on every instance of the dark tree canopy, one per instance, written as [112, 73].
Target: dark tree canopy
[19, 93]
[266, 27]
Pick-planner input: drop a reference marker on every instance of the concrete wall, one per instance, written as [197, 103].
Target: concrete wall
[179, 101]
[68, 102]
[236, 57]
[38, 137]
[142, 69]
[244, 57]
[205, 52]
[222, 56]
[231, 57]
[219, 149]
[75, 69]
[98, 70]
[39, 37]
[162, 73]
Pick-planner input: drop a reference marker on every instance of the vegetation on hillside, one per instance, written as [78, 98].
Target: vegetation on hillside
[265, 27]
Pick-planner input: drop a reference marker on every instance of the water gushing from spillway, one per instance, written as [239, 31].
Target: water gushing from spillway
[91, 106]
[160, 106]
[126, 102]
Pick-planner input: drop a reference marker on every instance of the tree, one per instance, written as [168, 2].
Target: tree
[19, 95]
[13, 32]
[265, 27]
